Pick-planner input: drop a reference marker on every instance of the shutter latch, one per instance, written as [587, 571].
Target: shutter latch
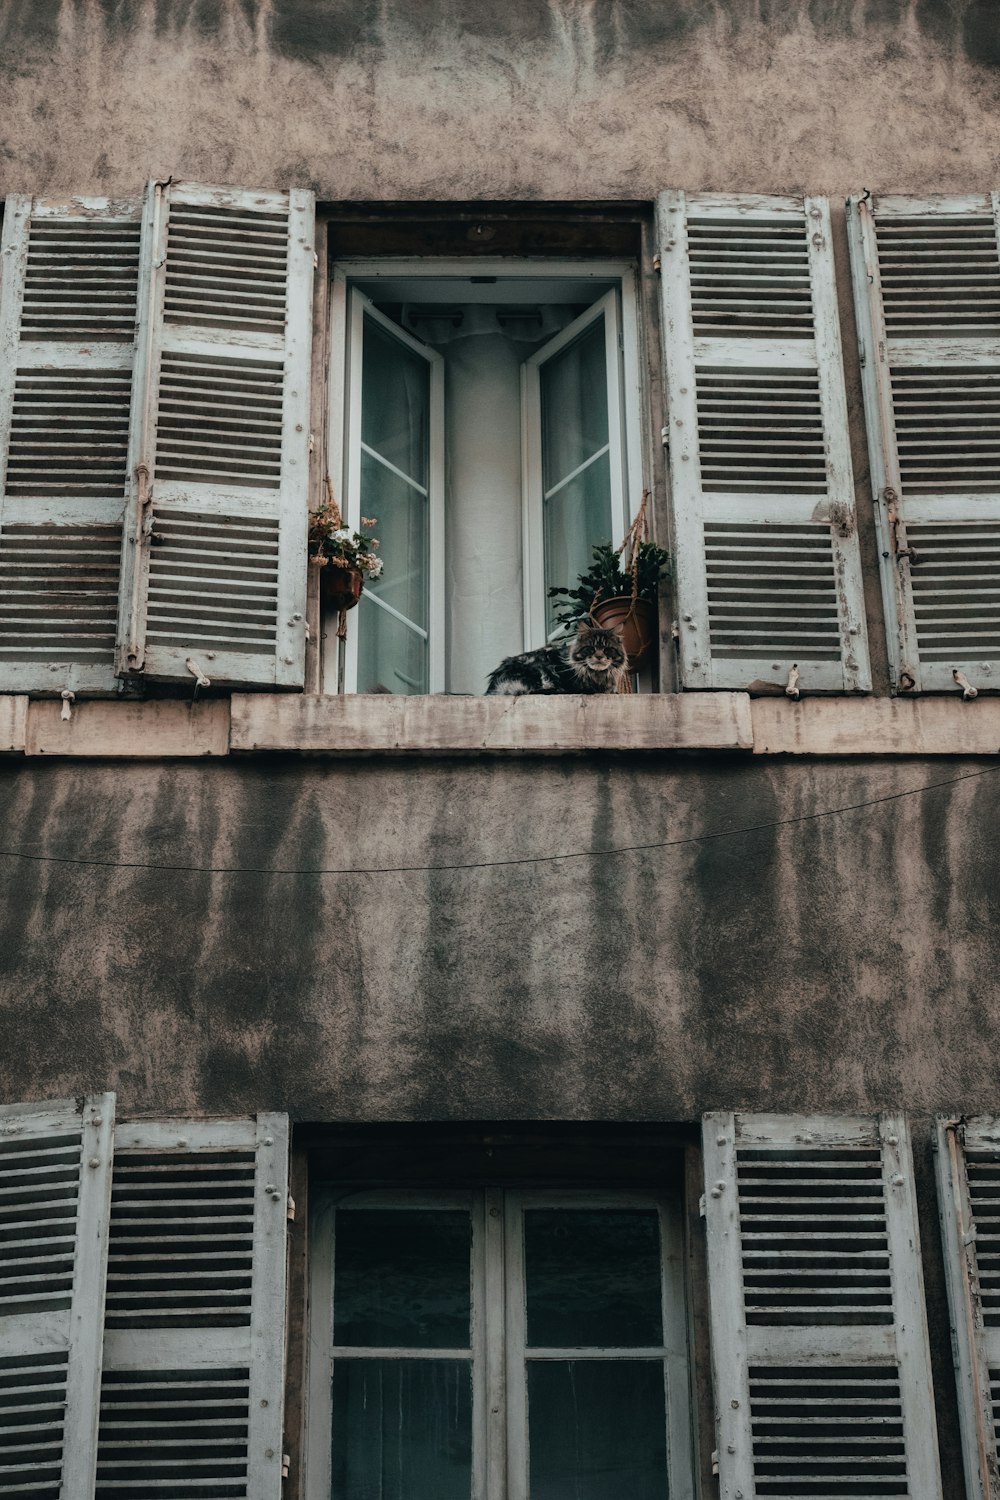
[968, 691]
[792, 685]
[204, 681]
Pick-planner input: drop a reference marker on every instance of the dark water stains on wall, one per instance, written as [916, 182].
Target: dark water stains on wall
[312, 30]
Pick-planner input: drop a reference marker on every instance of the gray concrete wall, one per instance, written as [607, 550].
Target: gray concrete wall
[454, 99]
[840, 960]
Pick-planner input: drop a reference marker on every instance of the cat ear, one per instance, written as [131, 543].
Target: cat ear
[618, 629]
[585, 626]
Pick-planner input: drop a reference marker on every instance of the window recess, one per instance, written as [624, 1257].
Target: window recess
[513, 388]
[819, 1340]
[767, 564]
[495, 1343]
[927, 293]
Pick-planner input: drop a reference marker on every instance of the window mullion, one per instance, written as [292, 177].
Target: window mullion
[516, 1338]
[488, 1343]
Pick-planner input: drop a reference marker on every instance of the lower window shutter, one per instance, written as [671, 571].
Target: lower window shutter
[968, 1169]
[767, 562]
[819, 1342]
[191, 1397]
[927, 294]
[55, 1183]
[214, 562]
[68, 302]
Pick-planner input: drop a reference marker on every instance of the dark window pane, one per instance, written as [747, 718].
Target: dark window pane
[402, 1278]
[574, 389]
[597, 1430]
[402, 1429]
[593, 1278]
[395, 401]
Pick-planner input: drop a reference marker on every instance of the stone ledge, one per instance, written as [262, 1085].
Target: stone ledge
[397, 725]
[13, 723]
[876, 726]
[442, 725]
[129, 730]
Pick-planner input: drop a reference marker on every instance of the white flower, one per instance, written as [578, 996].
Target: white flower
[374, 567]
[343, 535]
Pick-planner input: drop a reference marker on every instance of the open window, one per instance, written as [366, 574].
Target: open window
[488, 419]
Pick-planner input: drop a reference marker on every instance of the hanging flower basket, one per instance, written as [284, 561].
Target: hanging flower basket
[639, 621]
[340, 588]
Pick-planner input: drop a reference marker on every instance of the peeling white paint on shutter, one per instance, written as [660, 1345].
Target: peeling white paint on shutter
[927, 293]
[968, 1172]
[819, 1344]
[214, 564]
[767, 564]
[55, 1183]
[68, 286]
[191, 1399]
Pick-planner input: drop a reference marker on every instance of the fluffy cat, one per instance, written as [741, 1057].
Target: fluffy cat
[592, 661]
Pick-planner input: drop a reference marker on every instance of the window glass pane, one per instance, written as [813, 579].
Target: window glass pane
[574, 389]
[593, 1278]
[401, 512]
[402, 1429]
[402, 1278]
[597, 1430]
[392, 657]
[577, 518]
[395, 401]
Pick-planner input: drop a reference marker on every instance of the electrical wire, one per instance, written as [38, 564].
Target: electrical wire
[492, 864]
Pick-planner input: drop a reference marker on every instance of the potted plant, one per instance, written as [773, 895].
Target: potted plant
[345, 557]
[614, 592]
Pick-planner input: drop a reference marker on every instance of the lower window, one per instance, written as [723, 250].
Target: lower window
[498, 1344]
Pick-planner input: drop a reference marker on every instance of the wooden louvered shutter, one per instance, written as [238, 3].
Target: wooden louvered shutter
[927, 291]
[55, 1183]
[968, 1168]
[191, 1398]
[68, 296]
[819, 1342]
[214, 564]
[767, 565]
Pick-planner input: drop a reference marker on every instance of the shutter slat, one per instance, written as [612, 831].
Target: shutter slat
[224, 434]
[968, 1175]
[191, 1398]
[52, 1279]
[68, 307]
[820, 1354]
[927, 294]
[758, 445]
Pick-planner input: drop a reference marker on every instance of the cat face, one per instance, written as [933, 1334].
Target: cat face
[598, 650]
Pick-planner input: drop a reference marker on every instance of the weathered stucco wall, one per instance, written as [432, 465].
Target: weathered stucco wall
[469, 99]
[838, 962]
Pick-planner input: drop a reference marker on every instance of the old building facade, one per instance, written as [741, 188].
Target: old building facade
[509, 1094]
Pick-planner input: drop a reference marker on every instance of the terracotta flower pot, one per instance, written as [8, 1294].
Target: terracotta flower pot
[340, 588]
[639, 621]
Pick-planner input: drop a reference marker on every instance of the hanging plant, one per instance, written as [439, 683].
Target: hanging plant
[346, 557]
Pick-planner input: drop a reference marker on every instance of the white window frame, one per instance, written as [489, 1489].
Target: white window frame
[499, 1406]
[359, 308]
[606, 309]
[634, 461]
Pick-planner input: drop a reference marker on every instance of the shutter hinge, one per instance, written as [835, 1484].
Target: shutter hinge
[862, 353]
[621, 343]
[290, 1209]
[715, 1460]
[665, 436]
[701, 1205]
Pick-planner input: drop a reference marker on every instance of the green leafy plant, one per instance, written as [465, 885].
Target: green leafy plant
[607, 579]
